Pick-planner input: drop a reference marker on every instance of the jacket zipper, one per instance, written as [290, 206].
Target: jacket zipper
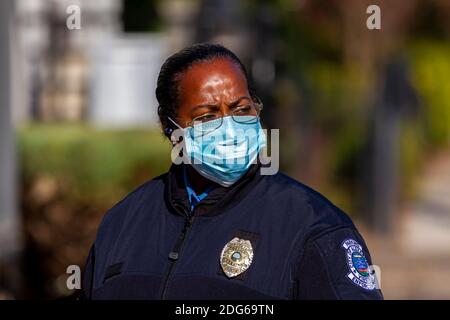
[174, 254]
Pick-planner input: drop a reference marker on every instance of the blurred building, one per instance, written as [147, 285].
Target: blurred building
[97, 73]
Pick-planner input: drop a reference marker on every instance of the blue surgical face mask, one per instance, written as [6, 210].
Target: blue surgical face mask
[222, 150]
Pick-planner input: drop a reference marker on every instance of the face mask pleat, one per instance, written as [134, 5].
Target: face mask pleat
[223, 154]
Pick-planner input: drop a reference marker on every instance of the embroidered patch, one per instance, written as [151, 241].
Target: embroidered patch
[236, 257]
[359, 268]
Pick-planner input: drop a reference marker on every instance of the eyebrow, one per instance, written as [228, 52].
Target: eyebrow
[236, 102]
[232, 104]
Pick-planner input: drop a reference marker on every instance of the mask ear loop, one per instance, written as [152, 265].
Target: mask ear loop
[170, 131]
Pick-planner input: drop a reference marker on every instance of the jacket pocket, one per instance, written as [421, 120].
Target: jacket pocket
[113, 270]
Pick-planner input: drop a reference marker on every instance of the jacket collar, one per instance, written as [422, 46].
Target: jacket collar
[217, 200]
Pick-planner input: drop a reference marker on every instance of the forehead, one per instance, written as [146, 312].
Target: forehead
[212, 81]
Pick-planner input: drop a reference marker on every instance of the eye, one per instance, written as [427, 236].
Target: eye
[205, 117]
[242, 110]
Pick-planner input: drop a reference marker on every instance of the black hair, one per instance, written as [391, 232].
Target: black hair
[167, 86]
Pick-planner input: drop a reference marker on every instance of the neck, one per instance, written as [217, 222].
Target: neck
[198, 182]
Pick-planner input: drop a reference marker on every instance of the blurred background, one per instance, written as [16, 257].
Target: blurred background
[364, 118]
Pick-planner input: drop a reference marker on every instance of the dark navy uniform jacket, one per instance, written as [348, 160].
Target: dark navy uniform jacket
[150, 246]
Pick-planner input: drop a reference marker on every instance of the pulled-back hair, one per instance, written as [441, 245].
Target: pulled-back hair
[167, 86]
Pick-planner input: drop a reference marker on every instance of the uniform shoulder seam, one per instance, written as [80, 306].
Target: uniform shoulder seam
[329, 230]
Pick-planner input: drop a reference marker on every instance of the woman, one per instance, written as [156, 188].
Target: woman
[214, 227]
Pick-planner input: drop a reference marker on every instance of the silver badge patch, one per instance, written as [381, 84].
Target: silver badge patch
[236, 257]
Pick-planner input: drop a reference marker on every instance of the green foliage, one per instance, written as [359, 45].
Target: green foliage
[339, 94]
[90, 164]
[431, 70]
[412, 148]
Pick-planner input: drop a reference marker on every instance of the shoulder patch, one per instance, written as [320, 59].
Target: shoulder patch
[359, 274]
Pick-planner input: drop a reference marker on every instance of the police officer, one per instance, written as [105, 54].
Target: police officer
[213, 229]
